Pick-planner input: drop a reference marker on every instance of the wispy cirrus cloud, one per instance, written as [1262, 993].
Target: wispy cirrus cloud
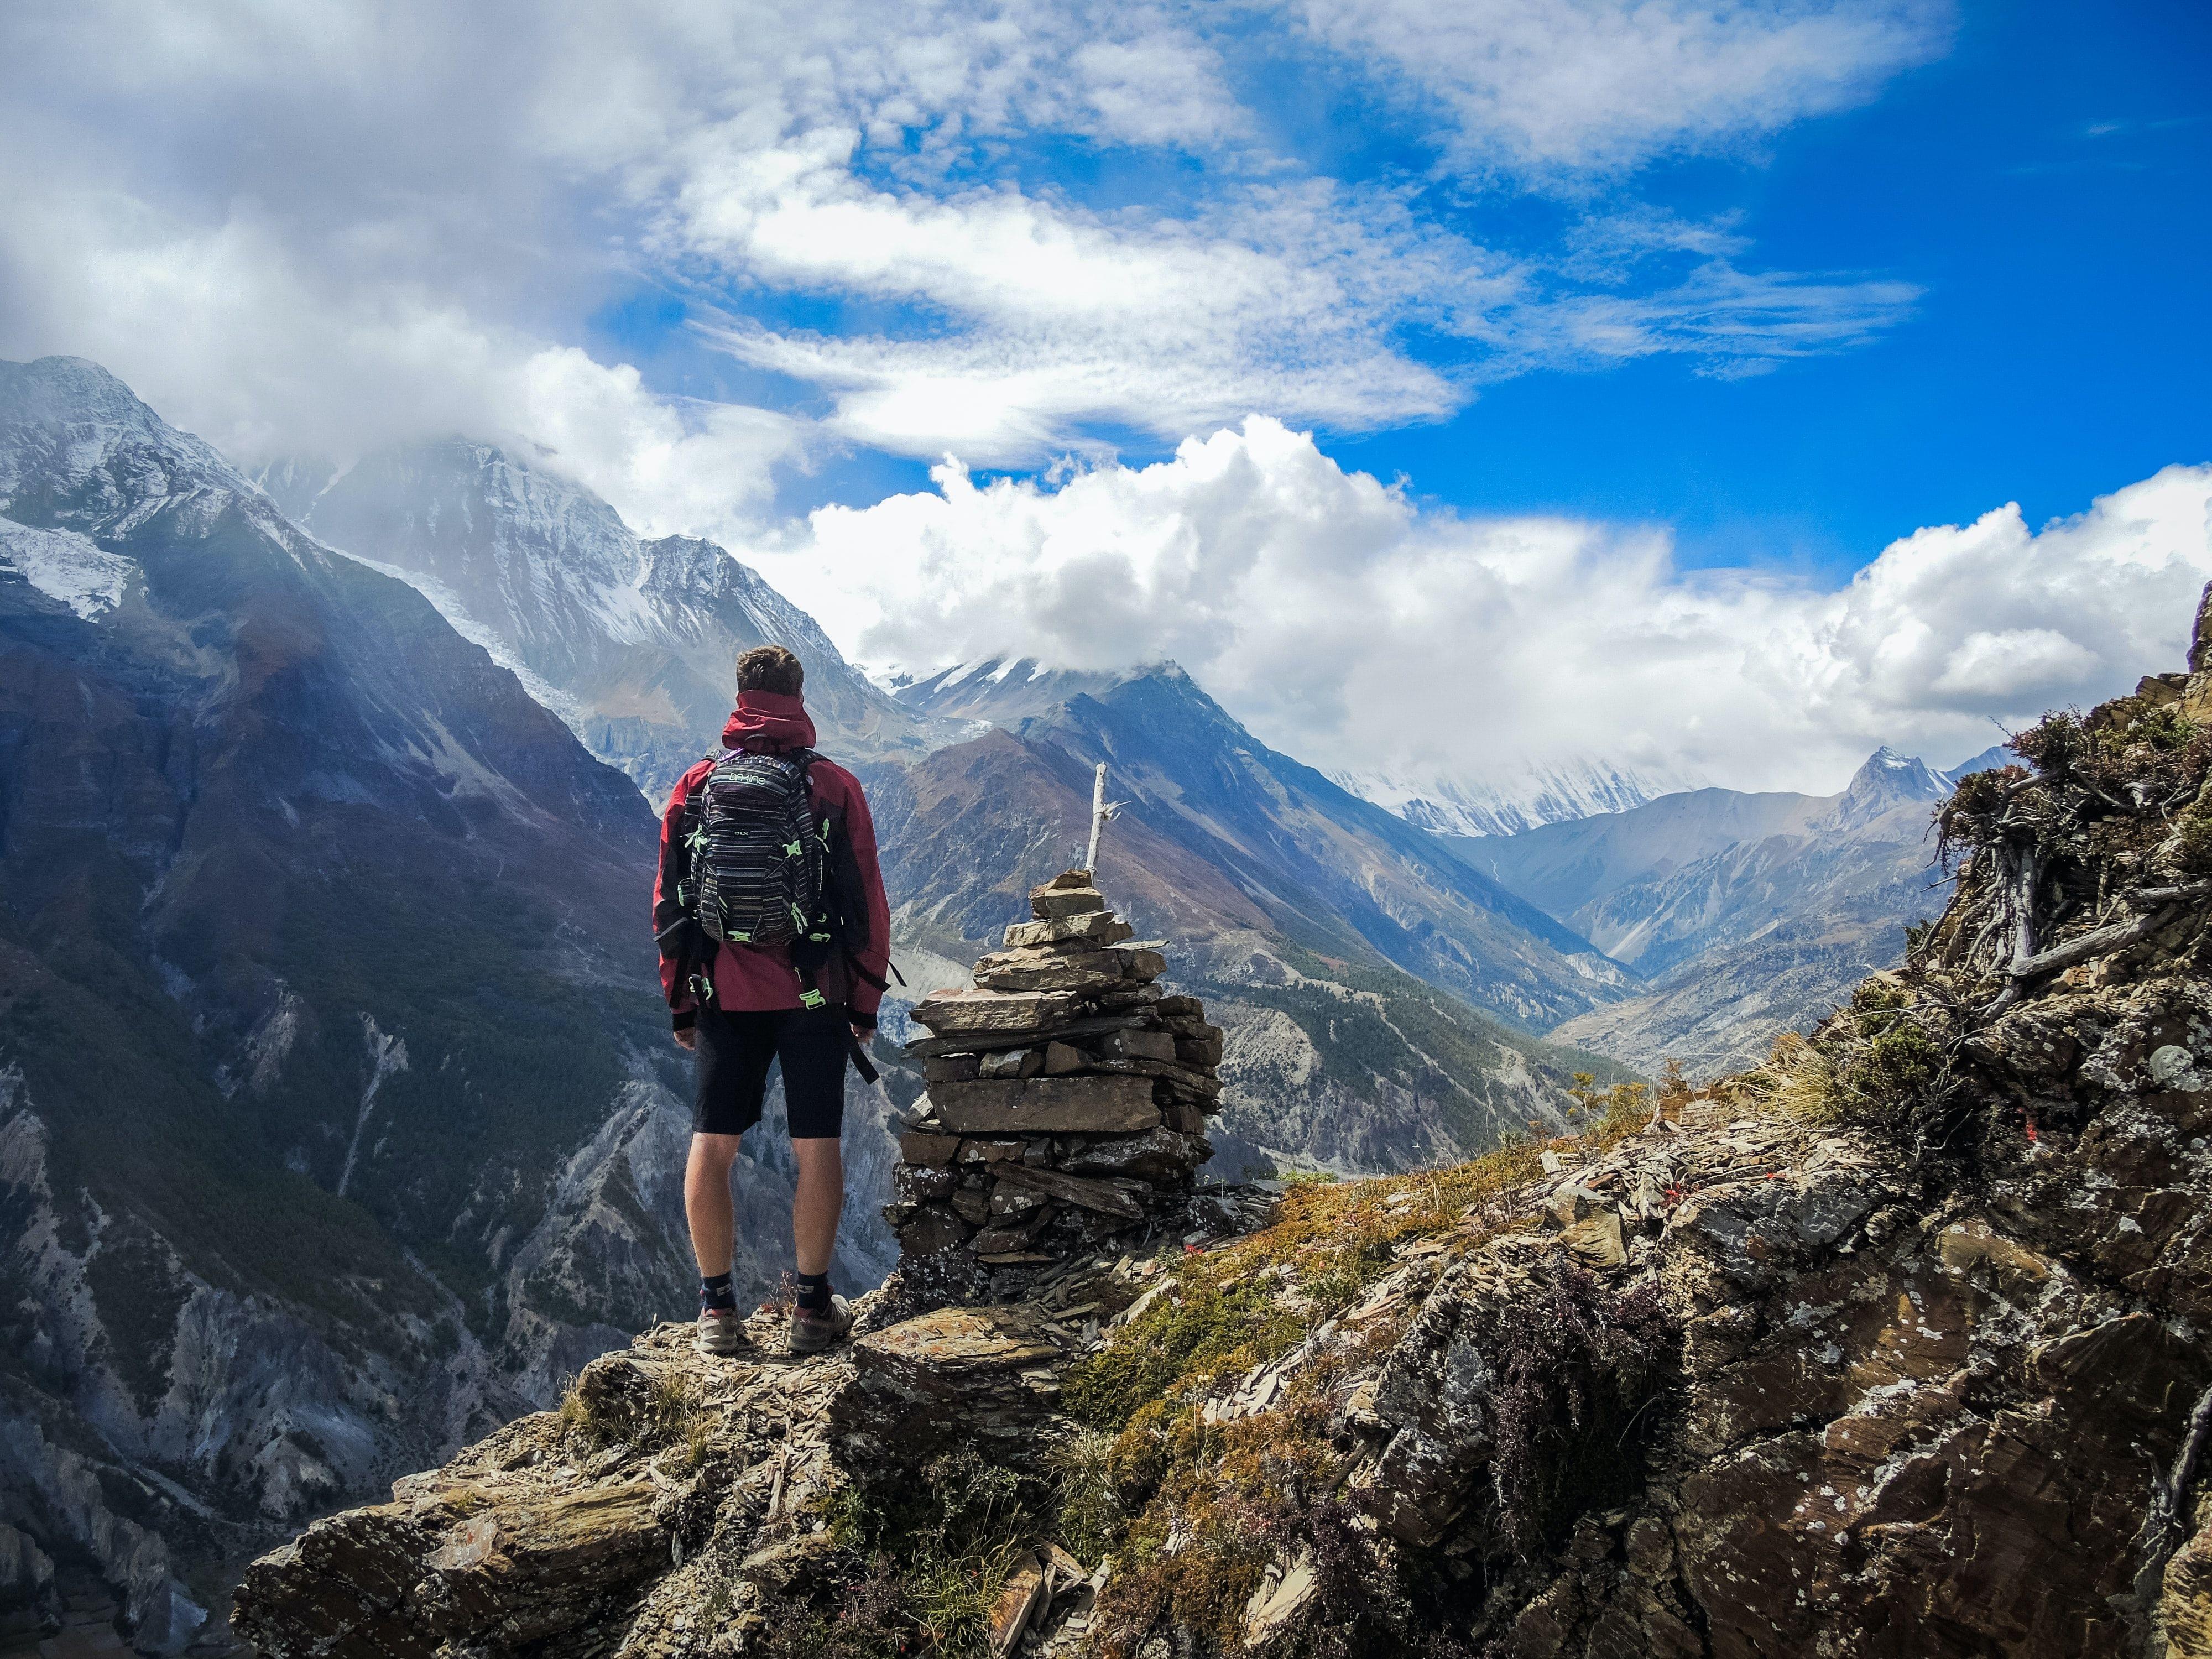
[1565, 87]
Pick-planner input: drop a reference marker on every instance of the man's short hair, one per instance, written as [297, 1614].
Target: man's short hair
[770, 668]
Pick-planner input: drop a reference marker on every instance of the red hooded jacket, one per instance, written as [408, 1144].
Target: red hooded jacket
[761, 976]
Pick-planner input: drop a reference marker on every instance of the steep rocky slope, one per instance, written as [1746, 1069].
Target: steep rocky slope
[1892, 1347]
[338, 1122]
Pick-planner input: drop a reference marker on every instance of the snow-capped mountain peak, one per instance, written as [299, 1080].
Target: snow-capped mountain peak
[1004, 691]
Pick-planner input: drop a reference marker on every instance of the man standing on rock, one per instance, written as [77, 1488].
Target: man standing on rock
[774, 937]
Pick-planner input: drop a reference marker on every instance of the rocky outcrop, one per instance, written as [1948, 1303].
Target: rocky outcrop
[1891, 1346]
[676, 1501]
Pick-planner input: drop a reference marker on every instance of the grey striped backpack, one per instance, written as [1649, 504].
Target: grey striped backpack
[760, 858]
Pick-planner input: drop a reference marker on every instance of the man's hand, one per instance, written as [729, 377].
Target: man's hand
[687, 1038]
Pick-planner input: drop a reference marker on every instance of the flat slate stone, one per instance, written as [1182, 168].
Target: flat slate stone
[1047, 1105]
[1050, 971]
[1185, 1079]
[1138, 1045]
[932, 1229]
[1007, 1235]
[1140, 965]
[949, 1013]
[953, 1348]
[1201, 1052]
[1159, 1154]
[1092, 926]
[927, 1151]
[1106, 1196]
[981, 1042]
[1046, 903]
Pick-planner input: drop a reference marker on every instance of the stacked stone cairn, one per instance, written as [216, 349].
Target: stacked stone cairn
[1067, 1103]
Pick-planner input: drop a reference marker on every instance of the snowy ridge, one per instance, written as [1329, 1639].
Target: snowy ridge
[1006, 690]
[76, 423]
[65, 566]
[1518, 796]
[85, 456]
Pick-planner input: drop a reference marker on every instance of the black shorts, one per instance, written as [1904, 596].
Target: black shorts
[735, 1048]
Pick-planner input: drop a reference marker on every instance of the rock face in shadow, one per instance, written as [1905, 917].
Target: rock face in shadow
[1894, 1347]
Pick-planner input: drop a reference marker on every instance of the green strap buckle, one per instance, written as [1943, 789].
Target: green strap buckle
[811, 1000]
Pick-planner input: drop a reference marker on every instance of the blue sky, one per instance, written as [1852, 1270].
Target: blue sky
[2045, 182]
[2048, 184]
[1457, 391]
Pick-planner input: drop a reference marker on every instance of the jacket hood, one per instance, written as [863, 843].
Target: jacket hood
[765, 721]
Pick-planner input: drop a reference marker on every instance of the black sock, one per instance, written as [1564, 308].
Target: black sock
[714, 1292]
[814, 1292]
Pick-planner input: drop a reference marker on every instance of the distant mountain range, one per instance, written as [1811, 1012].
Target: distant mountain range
[1513, 797]
[1750, 914]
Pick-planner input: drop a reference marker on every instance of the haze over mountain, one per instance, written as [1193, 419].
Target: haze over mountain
[1751, 913]
[629, 640]
[1002, 690]
[1508, 798]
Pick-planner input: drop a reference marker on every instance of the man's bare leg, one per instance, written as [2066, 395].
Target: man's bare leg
[817, 1204]
[706, 1202]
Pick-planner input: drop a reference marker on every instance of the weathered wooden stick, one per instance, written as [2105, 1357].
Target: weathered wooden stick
[1097, 820]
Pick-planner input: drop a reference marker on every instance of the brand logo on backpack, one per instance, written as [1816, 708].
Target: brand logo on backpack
[758, 857]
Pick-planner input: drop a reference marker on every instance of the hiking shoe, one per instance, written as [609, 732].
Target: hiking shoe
[720, 1331]
[811, 1332]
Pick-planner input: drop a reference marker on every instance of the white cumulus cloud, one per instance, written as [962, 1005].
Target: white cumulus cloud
[1362, 633]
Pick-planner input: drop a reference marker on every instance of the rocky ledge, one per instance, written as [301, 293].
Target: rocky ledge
[1893, 1347]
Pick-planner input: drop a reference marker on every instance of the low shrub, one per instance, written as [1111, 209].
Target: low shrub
[1578, 1363]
